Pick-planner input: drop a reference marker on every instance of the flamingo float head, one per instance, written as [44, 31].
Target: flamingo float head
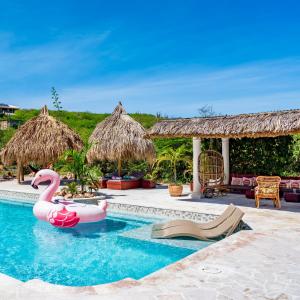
[44, 175]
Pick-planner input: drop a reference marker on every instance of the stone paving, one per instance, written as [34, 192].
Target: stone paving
[263, 263]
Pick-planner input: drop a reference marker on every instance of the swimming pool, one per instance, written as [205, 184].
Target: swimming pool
[89, 254]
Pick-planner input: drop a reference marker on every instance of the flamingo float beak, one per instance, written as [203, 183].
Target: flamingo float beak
[35, 186]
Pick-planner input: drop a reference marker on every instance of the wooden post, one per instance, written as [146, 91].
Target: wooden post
[18, 173]
[22, 172]
[119, 167]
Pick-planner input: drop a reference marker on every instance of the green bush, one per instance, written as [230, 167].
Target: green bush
[263, 156]
[5, 136]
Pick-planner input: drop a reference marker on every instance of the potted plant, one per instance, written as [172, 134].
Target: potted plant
[85, 175]
[174, 157]
[93, 175]
[175, 189]
[148, 181]
[70, 191]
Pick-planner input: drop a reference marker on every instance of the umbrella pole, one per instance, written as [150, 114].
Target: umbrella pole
[18, 173]
[22, 172]
[119, 167]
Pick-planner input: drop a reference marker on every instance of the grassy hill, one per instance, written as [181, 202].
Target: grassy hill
[82, 122]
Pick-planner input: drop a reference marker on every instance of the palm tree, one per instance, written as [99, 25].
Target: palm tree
[188, 173]
[76, 163]
[173, 156]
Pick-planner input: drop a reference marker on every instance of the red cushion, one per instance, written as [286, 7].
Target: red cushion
[247, 181]
[295, 184]
[285, 183]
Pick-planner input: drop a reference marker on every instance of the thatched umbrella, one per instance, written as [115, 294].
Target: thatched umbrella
[41, 140]
[119, 138]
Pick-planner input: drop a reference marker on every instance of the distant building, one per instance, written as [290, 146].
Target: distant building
[5, 124]
[7, 110]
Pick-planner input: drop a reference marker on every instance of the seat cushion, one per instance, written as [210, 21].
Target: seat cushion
[236, 181]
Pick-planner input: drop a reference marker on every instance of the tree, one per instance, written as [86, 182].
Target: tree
[174, 157]
[75, 162]
[55, 99]
[206, 111]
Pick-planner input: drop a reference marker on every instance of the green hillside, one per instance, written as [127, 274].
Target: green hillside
[82, 122]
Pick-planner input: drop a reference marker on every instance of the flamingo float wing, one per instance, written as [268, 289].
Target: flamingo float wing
[63, 218]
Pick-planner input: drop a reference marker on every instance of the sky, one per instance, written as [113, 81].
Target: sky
[158, 56]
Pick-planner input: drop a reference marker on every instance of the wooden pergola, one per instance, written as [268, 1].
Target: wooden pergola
[256, 125]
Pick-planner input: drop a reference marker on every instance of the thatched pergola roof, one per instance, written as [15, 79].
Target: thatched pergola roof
[40, 140]
[266, 124]
[119, 137]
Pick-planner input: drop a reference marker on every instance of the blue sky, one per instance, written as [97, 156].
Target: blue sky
[171, 57]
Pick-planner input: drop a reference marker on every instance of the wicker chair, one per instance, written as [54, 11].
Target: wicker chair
[211, 172]
[268, 188]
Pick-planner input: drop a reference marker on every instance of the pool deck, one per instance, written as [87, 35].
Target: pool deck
[263, 263]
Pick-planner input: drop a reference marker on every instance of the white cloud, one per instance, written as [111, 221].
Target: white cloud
[66, 54]
[253, 87]
[259, 86]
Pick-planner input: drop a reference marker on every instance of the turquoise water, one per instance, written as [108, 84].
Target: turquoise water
[86, 255]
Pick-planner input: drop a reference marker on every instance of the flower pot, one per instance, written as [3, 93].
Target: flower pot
[103, 183]
[175, 190]
[148, 184]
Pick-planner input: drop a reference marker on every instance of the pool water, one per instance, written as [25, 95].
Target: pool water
[89, 254]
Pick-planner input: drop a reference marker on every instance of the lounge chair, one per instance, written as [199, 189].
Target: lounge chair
[192, 229]
[205, 226]
[268, 188]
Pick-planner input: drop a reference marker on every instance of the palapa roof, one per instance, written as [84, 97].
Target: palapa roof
[120, 137]
[40, 140]
[266, 124]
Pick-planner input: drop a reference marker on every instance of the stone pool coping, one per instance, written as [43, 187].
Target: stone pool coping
[259, 264]
[114, 206]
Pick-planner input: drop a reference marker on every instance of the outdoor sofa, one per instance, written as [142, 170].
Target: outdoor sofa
[126, 182]
[245, 183]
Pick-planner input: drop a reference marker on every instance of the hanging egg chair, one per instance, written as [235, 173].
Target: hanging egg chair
[211, 172]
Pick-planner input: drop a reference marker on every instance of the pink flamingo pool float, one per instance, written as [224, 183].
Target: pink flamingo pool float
[61, 212]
